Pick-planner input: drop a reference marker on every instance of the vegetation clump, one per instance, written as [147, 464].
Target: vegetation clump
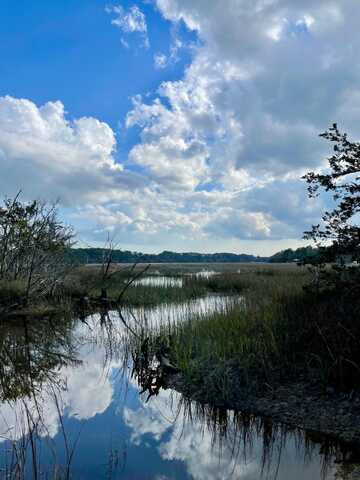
[337, 236]
[279, 333]
[32, 246]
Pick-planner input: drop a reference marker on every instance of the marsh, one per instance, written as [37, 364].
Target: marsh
[74, 403]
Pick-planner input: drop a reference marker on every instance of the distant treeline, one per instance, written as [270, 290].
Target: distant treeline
[97, 255]
[300, 255]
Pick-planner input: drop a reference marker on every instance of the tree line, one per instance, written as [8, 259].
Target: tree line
[96, 256]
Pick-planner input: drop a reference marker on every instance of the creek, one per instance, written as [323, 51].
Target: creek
[71, 408]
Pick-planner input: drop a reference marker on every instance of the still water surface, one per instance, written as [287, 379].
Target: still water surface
[171, 281]
[160, 281]
[71, 409]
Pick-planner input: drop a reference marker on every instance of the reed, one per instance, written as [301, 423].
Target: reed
[279, 332]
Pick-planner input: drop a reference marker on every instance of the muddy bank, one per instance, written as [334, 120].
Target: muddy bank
[299, 405]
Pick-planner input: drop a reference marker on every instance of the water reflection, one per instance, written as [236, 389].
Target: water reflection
[160, 281]
[71, 409]
[177, 312]
[157, 280]
[205, 273]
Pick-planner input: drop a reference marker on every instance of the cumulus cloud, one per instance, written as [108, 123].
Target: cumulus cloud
[249, 109]
[74, 161]
[221, 149]
[48, 156]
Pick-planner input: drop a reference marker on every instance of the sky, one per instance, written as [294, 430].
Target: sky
[183, 125]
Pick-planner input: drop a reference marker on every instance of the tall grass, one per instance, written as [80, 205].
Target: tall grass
[89, 282]
[278, 333]
[86, 282]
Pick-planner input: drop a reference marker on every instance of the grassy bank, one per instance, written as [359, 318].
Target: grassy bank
[14, 301]
[280, 333]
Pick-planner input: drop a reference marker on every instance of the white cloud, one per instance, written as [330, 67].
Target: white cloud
[88, 390]
[254, 106]
[130, 21]
[48, 156]
[222, 148]
[160, 60]
[186, 440]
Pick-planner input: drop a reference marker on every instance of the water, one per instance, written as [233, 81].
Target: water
[160, 281]
[69, 402]
[157, 280]
[205, 273]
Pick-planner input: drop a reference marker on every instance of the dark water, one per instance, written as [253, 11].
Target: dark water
[71, 409]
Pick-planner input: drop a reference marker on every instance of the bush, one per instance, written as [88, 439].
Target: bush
[33, 243]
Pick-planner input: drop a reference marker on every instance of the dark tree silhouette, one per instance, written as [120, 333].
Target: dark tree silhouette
[338, 237]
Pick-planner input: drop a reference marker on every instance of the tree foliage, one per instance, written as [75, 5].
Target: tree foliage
[97, 255]
[339, 225]
[338, 236]
[32, 245]
[302, 255]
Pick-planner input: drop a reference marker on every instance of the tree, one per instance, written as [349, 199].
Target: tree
[338, 237]
[32, 245]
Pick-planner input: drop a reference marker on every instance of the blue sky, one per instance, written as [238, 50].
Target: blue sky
[171, 124]
[69, 50]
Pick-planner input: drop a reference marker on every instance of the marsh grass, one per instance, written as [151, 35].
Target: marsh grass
[11, 291]
[279, 332]
[276, 333]
[88, 282]
[231, 282]
[13, 304]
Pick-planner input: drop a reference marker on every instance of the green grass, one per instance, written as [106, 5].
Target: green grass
[279, 333]
[11, 292]
[149, 296]
[88, 282]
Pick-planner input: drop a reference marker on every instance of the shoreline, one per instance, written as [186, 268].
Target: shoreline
[298, 405]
